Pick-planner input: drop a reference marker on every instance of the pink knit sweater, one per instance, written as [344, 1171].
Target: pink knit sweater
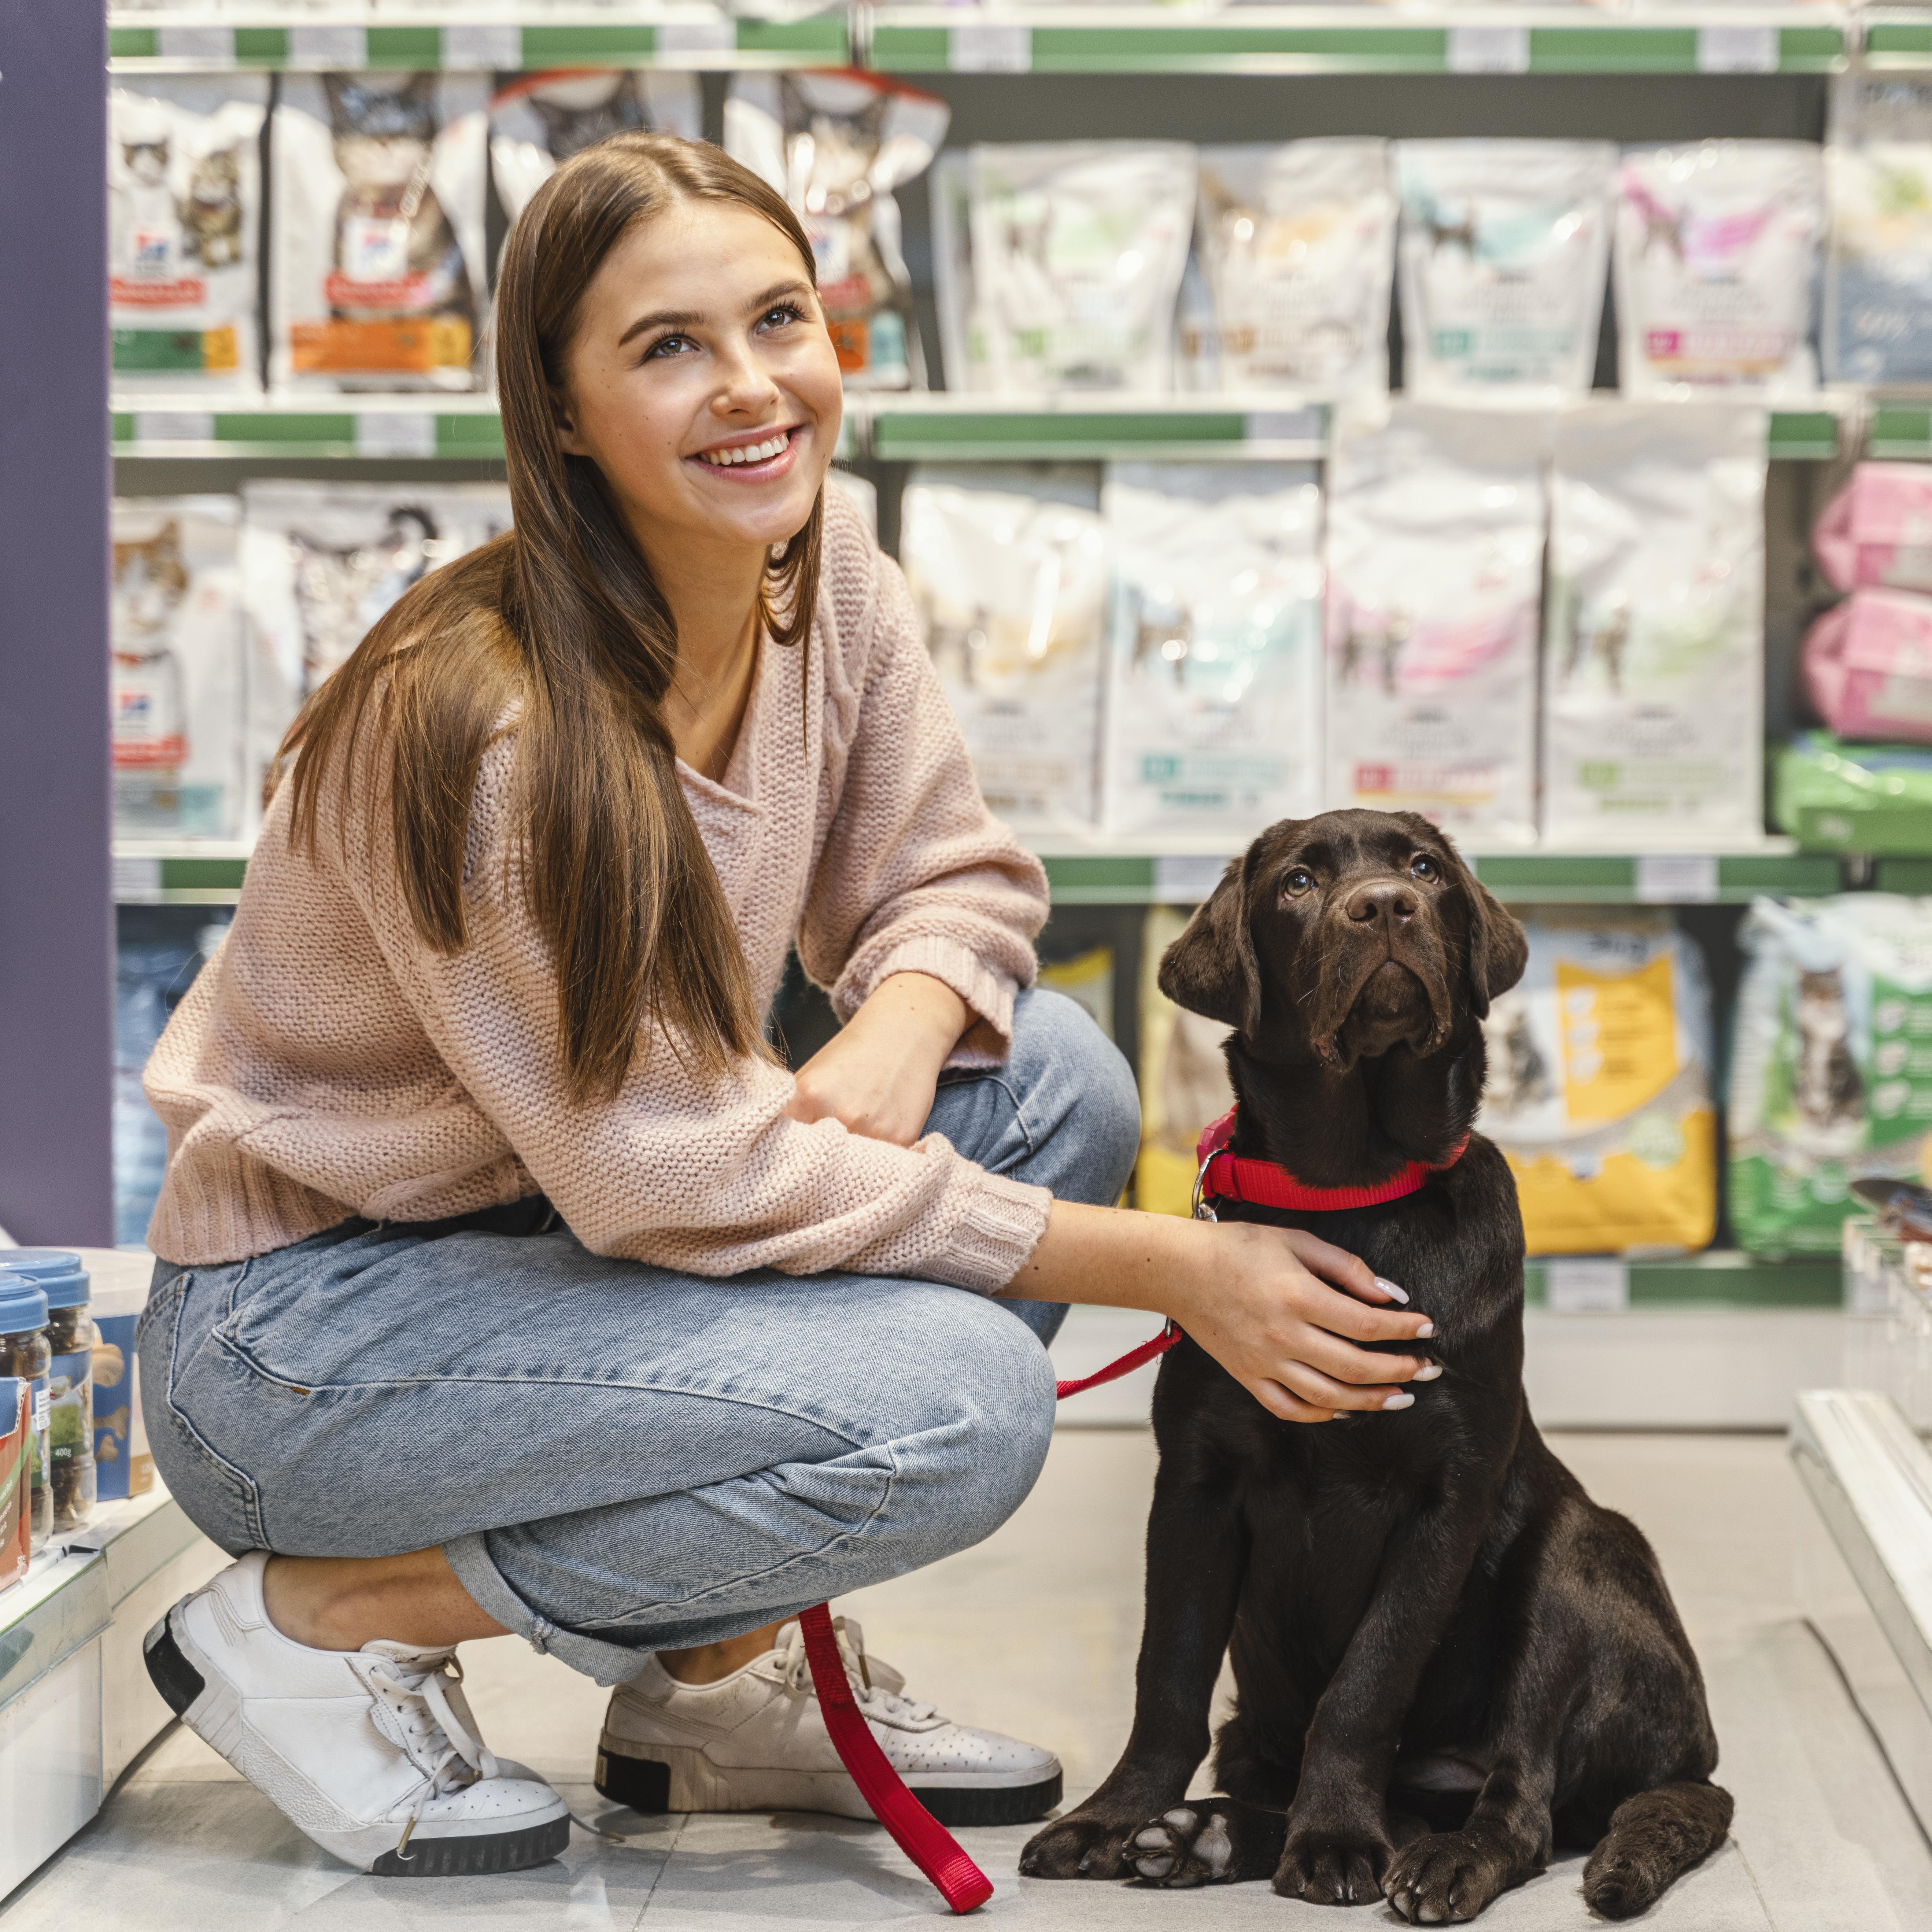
[327, 1063]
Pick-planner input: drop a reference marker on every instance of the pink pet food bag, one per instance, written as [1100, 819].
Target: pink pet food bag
[1878, 529]
[1868, 665]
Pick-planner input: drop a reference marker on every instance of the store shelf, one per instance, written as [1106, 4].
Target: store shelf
[389, 426]
[938, 427]
[186, 872]
[1898, 36]
[1719, 1278]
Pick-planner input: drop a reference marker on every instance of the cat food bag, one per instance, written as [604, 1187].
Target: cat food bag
[1653, 653]
[1183, 1078]
[835, 146]
[1504, 250]
[1878, 269]
[175, 634]
[379, 281]
[1831, 1064]
[1086, 979]
[1878, 529]
[1058, 265]
[320, 562]
[184, 220]
[1599, 1088]
[1717, 258]
[1296, 248]
[1867, 665]
[1214, 709]
[1008, 571]
[1435, 527]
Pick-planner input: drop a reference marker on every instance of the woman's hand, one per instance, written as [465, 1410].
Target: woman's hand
[1258, 1299]
[879, 1073]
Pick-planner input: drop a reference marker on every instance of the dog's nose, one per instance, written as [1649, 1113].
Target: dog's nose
[1387, 904]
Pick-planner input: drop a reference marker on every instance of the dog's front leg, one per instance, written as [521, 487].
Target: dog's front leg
[1196, 1552]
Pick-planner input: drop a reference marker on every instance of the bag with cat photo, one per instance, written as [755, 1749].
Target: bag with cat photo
[184, 220]
[321, 562]
[379, 280]
[176, 675]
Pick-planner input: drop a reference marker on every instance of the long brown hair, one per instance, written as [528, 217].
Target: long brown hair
[561, 622]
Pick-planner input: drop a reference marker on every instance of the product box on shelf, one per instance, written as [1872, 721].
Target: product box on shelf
[1876, 531]
[1878, 279]
[1867, 665]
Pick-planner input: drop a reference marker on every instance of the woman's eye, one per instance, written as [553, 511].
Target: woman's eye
[1299, 881]
[1423, 867]
[668, 345]
[777, 317]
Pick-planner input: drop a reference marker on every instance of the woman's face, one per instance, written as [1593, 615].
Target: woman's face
[703, 384]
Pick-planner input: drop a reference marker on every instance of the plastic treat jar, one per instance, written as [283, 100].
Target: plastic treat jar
[24, 1352]
[58, 1274]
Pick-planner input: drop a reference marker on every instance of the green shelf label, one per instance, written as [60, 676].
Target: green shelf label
[411, 47]
[587, 46]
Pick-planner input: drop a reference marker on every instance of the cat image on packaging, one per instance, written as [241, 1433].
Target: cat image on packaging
[1214, 706]
[185, 210]
[1717, 257]
[175, 683]
[1296, 248]
[1504, 253]
[1654, 650]
[1009, 573]
[1183, 1078]
[379, 181]
[1435, 547]
[836, 145]
[1878, 271]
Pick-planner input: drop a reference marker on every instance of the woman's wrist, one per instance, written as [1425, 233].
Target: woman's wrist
[1112, 1257]
[926, 1009]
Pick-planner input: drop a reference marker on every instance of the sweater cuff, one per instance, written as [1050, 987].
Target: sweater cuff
[989, 1038]
[994, 1238]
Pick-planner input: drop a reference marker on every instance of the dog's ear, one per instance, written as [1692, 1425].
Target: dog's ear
[1499, 946]
[1211, 969]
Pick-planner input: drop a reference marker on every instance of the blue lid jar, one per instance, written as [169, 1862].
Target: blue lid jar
[22, 1306]
[56, 1272]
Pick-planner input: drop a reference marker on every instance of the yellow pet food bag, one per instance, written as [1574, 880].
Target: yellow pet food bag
[1087, 980]
[1183, 1079]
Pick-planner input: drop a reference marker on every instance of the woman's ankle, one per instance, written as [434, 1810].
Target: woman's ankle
[708, 1663]
[342, 1603]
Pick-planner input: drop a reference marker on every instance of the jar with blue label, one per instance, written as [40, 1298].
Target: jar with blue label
[25, 1352]
[59, 1274]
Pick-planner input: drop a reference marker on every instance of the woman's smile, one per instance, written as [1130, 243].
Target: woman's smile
[756, 456]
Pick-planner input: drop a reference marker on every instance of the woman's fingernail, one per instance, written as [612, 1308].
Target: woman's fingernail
[1402, 1400]
[1427, 1329]
[1389, 1288]
[1427, 1373]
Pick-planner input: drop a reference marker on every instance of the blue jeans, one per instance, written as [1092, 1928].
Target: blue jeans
[617, 1459]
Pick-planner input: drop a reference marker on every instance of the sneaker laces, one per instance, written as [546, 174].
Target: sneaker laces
[876, 1686]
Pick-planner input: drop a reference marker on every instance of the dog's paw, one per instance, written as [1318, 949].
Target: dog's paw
[1190, 1845]
[1333, 1867]
[1446, 1878]
[1075, 1846]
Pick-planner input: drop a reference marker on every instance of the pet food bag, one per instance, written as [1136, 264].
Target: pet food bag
[1436, 527]
[1297, 246]
[1086, 979]
[176, 679]
[1504, 250]
[1878, 529]
[379, 280]
[1831, 1063]
[320, 562]
[1009, 570]
[1058, 265]
[1213, 709]
[1717, 260]
[1654, 655]
[1878, 269]
[1184, 1077]
[1867, 666]
[835, 146]
[1599, 1088]
[185, 217]
[1836, 797]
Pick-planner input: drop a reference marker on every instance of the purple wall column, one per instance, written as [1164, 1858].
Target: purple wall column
[56, 910]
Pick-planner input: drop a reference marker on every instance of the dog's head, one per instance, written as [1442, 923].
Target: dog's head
[1345, 936]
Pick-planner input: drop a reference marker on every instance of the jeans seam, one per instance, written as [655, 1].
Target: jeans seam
[248, 1496]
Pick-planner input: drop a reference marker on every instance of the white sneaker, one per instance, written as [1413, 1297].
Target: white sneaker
[373, 1753]
[756, 1741]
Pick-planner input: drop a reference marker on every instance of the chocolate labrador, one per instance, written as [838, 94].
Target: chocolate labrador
[1448, 1658]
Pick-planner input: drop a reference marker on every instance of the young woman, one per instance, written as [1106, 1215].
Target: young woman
[508, 1283]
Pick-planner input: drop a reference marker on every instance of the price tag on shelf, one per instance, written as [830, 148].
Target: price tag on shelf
[137, 882]
[1676, 878]
[1488, 49]
[338, 50]
[174, 426]
[488, 46]
[1283, 426]
[1737, 49]
[1185, 880]
[207, 46]
[395, 433]
[697, 36]
[1587, 1287]
[989, 46]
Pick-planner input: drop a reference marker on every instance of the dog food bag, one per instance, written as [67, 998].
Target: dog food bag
[1436, 524]
[1836, 797]
[379, 280]
[1009, 570]
[1213, 710]
[1878, 269]
[1086, 979]
[1877, 530]
[184, 220]
[1717, 260]
[1184, 1076]
[1654, 655]
[836, 145]
[1831, 1064]
[1070, 266]
[1296, 245]
[320, 562]
[1599, 1089]
[176, 678]
[1867, 665]
[1504, 250]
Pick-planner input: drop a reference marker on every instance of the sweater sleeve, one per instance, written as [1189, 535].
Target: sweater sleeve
[916, 874]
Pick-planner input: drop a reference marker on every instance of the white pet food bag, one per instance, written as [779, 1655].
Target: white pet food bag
[176, 676]
[1009, 573]
[1214, 709]
[1435, 530]
[1070, 267]
[835, 146]
[1296, 246]
[185, 217]
[1505, 246]
[1878, 272]
[320, 562]
[379, 276]
[1654, 658]
[1717, 260]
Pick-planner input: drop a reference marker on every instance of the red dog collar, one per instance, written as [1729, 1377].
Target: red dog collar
[1263, 1184]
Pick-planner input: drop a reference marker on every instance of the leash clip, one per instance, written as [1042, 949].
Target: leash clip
[1202, 1211]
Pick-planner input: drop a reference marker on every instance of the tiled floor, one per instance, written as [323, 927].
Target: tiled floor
[1035, 1632]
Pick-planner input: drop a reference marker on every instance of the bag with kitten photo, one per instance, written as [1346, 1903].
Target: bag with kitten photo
[379, 254]
[185, 220]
